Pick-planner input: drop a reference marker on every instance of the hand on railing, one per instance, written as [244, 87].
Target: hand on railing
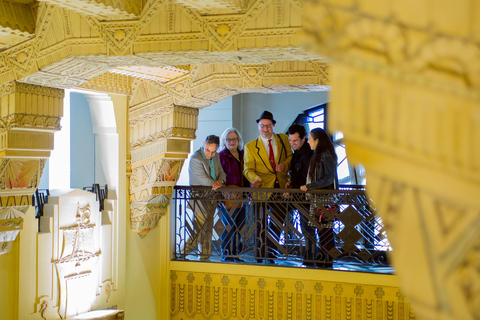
[217, 184]
[257, 183]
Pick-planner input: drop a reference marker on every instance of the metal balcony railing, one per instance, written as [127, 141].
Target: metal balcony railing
[39, 198]
[101, 192]
[281, 226]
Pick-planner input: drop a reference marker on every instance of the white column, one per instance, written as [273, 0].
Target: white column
[59, 161]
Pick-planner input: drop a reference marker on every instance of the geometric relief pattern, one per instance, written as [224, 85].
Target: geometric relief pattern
[20, 173]
[170, 170]
[468, 276]
[203, 295]
[443, 238]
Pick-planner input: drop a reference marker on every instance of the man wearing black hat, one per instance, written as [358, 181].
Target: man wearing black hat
[267, 162]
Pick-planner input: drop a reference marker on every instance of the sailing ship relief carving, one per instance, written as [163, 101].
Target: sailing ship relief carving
[79, 238]
[79, 265]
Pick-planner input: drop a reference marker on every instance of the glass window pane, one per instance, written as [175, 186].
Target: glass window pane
[343, 171]
[337, 135]
[341, 153]
[319, 118]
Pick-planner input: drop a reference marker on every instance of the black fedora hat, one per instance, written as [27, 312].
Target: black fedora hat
[266, 115]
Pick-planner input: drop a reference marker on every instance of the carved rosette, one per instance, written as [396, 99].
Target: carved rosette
[120, 39]
[223, 33]
[412, 118]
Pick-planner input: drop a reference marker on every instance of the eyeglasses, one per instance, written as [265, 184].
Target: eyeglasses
[262, 126]
[232, 140]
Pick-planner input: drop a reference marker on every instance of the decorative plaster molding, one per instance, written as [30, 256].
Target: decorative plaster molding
[11, 222]
[17, 23]
[28, 121]
[217, 6]
[146, 212]
[151, 187]
[205, 294]
[110, 82]
[21, 175]
[120, 39]
[102, 9]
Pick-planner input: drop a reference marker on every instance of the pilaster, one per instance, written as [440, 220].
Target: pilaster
[29, 116]
[159, 149]
[412, 118]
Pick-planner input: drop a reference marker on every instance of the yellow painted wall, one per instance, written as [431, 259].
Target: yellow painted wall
[120, 105]
[142, 278]
[9, 282]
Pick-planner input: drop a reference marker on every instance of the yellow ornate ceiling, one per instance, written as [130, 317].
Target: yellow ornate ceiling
[66, 44]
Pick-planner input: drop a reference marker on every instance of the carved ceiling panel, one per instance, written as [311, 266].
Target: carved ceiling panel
[17, 23]
[100, 44]
[102, 9]
[217, 6]
[156, 74]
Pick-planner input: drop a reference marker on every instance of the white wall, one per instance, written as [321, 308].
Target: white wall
[284, 106]
[82, 143]
[212, 120]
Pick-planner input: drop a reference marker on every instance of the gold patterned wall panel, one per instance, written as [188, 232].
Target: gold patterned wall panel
[412, 118]
[268, 295]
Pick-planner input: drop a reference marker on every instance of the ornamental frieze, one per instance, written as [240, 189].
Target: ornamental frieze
[11, 87]
[223, 33]
[203, 294]
[28, 121]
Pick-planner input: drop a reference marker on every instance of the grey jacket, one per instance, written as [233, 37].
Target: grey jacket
[199, 170]
[199, 175]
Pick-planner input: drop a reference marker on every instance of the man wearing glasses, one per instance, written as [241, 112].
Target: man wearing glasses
[204, 169]
[267, 162]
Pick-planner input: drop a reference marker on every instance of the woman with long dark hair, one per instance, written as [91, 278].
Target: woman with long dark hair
[322, 174]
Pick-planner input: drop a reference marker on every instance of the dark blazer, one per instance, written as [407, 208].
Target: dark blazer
[325, 173]
[300, 164]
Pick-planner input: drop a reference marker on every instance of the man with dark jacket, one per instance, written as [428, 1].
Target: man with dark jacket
[298, 173]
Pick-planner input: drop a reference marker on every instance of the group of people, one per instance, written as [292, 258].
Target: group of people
[270, 161]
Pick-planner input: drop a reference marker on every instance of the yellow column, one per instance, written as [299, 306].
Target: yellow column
[29, 116]
[405, 92]
[159, 147]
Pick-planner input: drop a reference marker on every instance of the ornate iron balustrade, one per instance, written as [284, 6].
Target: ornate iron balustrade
[39, 198]
[317, 228]
[102, 194]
